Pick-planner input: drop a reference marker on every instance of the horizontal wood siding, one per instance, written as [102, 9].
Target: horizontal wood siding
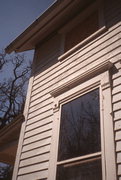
[113, 17]
[34, 161]
[30, 169]
[38, 137]
[116, 98]
[50, 73]
[34, 176]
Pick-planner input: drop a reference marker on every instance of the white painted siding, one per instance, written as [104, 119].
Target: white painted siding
[34, 160]
[49, 73]
[113, 17]
[116, 98]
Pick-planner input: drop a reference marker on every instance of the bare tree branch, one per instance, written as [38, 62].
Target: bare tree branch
[2, 60]
[12, 91]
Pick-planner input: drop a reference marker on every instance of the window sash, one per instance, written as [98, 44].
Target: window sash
[80, 126]
[81, 159]
[84, 158]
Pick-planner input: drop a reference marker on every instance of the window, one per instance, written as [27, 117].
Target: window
[83, 135]
[79, 153]
[80, 30]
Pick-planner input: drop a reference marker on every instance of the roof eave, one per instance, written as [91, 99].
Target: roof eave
[48, 23]
[21, 42]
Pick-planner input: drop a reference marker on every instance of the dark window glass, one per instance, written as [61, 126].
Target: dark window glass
[84, 171]
[82, 31]
[80, 127]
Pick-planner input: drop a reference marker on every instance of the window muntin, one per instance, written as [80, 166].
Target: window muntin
[80, 136]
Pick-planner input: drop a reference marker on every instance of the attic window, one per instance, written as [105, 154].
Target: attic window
[81, 31]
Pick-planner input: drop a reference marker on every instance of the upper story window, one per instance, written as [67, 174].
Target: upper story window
[83, 28]
[81, 31]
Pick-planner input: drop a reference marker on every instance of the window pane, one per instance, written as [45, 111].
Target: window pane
[86, 171]
[80, 127]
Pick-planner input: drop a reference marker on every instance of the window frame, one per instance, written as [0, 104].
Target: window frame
[71, 98]
[101, 81]
[82, 158]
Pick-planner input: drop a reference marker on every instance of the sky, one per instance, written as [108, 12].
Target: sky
[17, 15]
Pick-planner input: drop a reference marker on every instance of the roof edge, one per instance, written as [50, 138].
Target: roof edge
[51, 11]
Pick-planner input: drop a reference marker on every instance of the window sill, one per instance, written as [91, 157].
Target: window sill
[82, 43]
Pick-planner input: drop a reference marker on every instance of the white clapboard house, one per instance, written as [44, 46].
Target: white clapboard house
[72, 127]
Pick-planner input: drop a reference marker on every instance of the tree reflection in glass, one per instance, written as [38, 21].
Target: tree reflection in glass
[80, 127]
[79, 136]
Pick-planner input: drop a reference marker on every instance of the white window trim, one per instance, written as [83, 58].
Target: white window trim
[86, 74]
[98, 5]
[60, 97]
